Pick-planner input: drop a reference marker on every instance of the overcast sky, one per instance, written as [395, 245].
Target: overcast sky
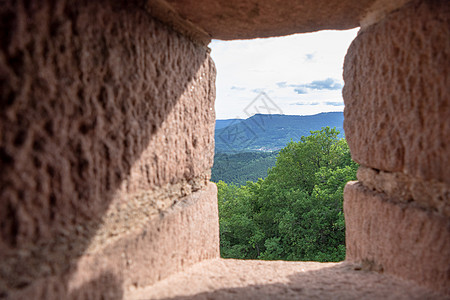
[301, 74]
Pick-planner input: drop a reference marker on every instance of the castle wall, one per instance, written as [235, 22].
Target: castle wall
[397, 113]
[106, 145]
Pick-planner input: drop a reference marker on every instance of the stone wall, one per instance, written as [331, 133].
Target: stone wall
[106, 137]
[106, 133]
[397, 112]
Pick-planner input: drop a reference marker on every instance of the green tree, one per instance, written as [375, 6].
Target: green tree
[296, 212]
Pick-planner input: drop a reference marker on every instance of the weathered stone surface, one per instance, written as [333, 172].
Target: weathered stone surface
[396, 93]
[431, 195]
[237, 19]
[250, 279]
[185, 234]
[396, 238]
[379, 10]
[101, 106]
[206, 19]
[107, 122]
[107, 286]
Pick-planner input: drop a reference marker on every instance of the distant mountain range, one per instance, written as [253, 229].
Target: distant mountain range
[270, 132]
[224, 123]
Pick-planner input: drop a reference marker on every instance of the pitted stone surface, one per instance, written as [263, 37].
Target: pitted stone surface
[397, 238]
[185, 234]
[252, 279]
[202, 20]
[107, 120]
[431, 195]
[396, 93]
[101, 106]
[237, 19]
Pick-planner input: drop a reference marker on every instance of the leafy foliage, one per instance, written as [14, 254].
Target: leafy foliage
[296, 212]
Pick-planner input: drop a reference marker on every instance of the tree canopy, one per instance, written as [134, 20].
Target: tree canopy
[295, 213]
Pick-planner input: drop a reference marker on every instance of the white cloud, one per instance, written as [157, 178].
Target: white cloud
[311, 63]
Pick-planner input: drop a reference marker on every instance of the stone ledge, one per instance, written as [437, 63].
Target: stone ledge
[252, 279]
[431, 195]
[133, 212]
[185, 234]
[397, 238]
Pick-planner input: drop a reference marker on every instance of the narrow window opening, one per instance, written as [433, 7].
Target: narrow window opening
[281, 159]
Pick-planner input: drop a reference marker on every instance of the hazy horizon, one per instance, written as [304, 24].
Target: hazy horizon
[281, 114]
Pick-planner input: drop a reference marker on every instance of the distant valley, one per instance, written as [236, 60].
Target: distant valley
[246, 148]
[270, 132]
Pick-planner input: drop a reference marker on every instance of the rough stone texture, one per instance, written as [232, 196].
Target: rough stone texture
[379, 10]
[397, 238]
[247, 279]
[396, 93]
[185, 234]
[238, 19]
[105, 112]
[431, 195]
[164, 12]
[107, 122]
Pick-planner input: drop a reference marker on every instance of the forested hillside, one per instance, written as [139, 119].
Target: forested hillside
[295, 213]
[242, 167]
[270, 132]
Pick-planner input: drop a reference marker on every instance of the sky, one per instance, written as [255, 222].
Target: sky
[299, 74]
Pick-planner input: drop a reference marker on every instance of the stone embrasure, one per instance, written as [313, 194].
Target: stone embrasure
[431, 195]
[106, 145]
[396, 237]
[249, 279]
[396, 93]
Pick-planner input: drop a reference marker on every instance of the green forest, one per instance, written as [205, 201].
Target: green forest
[242, 167]
[296, 212]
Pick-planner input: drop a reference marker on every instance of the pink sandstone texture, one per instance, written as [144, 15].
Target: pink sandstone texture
[427, 194]
[252, 279]
[397, 113]
[185, 234]
[107, 120]
[396, 238]
[236, 19]
[106, 145]
[396, 93]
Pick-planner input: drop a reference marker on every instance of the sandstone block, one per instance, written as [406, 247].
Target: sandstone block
[396, 93]
[431, 195]
[243, 19]
[185, 234]
[100, 104]
[396, 238]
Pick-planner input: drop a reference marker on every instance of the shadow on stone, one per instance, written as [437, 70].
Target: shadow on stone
[107, 286]
[281, 280]
[84, 87]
